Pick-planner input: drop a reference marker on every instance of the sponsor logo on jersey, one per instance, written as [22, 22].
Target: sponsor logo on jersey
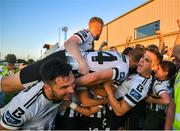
[10, 119]
[135, 94]
[83, 33]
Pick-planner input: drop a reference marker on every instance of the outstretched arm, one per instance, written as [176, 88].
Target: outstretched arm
[87, 111]
[95, 78]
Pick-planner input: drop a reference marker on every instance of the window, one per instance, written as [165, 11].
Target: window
[147, 30]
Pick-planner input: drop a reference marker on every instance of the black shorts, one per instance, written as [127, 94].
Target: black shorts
[114, 122]
[65, 122]
[31, 74]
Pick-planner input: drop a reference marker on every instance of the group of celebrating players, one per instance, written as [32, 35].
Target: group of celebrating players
[79, 88]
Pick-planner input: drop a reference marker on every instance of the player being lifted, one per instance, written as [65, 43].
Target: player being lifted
[113, 64]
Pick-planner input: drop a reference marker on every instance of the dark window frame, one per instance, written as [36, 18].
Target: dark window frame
[135, 30]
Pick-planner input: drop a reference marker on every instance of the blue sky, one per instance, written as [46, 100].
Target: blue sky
[25, 25]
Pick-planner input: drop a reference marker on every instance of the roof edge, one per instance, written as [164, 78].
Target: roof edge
[130, 11]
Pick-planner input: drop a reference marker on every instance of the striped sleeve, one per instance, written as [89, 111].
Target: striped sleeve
[82, 35]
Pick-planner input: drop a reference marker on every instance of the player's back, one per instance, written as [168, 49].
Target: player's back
[102, 60]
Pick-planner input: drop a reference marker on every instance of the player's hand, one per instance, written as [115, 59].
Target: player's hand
[149, 99]
[83, 67]
[159, 34]
[22, 65]
[108, 87]
[178, 23]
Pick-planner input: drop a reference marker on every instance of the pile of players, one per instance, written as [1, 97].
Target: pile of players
[79, 88]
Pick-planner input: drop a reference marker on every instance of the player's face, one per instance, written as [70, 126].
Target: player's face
[64, 88]
[161, 74]
[96, 29]
[147, 63]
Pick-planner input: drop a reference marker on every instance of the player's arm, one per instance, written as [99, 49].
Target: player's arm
[87, 111]
[163, 100]
[87, 101]
[13, 117]
[119, 107]
[72, 46]
[100, 91]
[95, 78]
[177, 41]
[170, 115]
[161, 41]
[2, 128]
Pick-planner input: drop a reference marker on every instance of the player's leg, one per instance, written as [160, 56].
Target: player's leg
[31, 75]
[10, 83]
[28, 76]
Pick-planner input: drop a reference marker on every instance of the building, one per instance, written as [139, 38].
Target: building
[141, 23]
[49, 49]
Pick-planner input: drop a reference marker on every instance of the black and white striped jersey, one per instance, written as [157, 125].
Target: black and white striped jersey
[102, 60]
[68, 112]
[133, 89]
[30, 109]
[158, 88]
[86, 38]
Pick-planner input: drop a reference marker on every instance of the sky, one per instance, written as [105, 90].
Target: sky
[26, 25]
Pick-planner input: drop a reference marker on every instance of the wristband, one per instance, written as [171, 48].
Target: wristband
[73, 105]
[100, 97]
[100, 106]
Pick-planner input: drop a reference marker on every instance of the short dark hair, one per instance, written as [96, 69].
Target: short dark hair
[139, 46]
[152, 46]
[157, 53]
[127, 50]
[137, 53]
[169, 67]
[53, 68]
[96, 19]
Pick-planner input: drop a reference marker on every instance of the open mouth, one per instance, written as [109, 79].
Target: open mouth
[139, 67]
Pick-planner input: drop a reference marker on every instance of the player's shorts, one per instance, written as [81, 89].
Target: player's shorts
[68, 121]
[30, 75]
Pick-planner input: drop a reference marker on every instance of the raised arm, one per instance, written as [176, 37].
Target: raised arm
[177, 41]
[72, 46]
[161, 41]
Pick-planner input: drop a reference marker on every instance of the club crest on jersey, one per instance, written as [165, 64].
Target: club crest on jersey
[11, 120]
[135, 94]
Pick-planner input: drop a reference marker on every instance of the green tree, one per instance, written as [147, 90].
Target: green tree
[10, 58]
[30, 61]
[21, 61]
